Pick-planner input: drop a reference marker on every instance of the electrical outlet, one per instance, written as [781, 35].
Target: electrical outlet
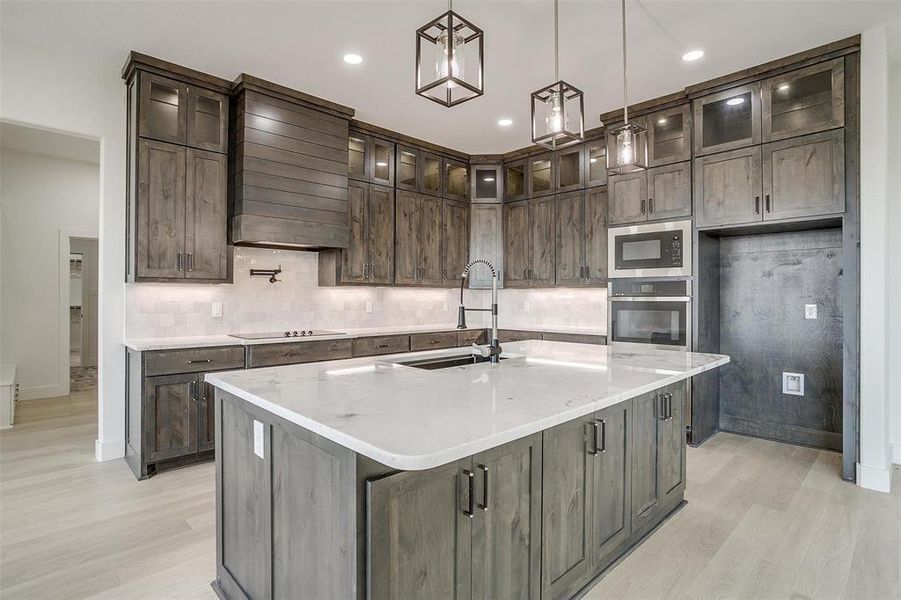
[526, 307]
[217, 310]
[810, 311]
[369, 306]
[793, 384]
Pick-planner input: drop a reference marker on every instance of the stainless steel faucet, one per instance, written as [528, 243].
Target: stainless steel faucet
[494, 346]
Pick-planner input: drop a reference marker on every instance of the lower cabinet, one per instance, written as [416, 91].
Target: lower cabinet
[469, 529]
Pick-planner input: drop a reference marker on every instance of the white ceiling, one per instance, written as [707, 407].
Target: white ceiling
[300, 44]
[51, 143]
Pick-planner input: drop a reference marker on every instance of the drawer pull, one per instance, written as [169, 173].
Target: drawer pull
[380, 346]
[198, 361]
[434, 341]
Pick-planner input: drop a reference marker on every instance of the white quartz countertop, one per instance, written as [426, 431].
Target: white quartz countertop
[204, 341]
[413, 419]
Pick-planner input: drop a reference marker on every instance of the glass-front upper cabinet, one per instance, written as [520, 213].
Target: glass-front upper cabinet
[595, 154]
[569, 169]
[356, 156]
[456, 179]
[669, 136]
[407, 174]
[431, 174]
[727, 120]
[541, 175]
[485, 184]
[804, 101]
[515, 180]
[382, 171]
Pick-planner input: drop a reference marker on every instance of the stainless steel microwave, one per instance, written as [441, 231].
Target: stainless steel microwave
[651, 250]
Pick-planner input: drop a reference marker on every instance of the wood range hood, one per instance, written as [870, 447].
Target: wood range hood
[288, 182]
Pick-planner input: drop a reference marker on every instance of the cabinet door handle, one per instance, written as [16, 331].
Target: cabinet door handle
[193, 391]
[592, 448]
[603, 447]
[525, 273]
[641, 207]
[767, 202]
[650, 206]
[190, 261]
[178, 262]
[469, 511]
[658, 406]
[198, 361]
[756, 205]
[484, 504]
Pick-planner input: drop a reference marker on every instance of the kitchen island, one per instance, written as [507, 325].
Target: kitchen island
[371, 478]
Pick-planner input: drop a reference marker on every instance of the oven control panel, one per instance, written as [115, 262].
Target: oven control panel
[638, 288]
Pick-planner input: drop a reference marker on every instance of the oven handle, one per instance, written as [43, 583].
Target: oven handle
[649, 298]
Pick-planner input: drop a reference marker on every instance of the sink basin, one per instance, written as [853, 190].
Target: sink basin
[445, 362]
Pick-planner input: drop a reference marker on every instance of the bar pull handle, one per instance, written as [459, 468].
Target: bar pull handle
[641, 207]
[179, 262]
[193, 390]
[669, 406]
[593, 434]
[382, 346]
[767, 203]
[603, 447]
[525, 273]
[190, 261]
[650, 206]
[756, 205]
[484, 504]
[198, 361]
[660, 405]
[470, 510]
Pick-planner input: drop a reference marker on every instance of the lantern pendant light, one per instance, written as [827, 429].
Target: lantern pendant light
[558, 110]
[627, 146]
[449, 59]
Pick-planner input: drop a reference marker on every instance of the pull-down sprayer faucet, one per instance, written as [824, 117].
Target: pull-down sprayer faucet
[494, 346]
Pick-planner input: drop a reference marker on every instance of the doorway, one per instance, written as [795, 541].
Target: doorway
[82, 309]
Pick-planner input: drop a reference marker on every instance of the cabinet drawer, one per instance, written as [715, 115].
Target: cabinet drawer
[193, 360]
[577, 338]
[469, 337]
[432, 341]
[515, 335]
[386, 344]
[292, 353]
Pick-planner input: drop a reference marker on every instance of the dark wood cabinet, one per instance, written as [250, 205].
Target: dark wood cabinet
[669, 136]
[804, 176]
[727, 187]
[628, 198]
[529, 243]
[506, 528]
[487, 241]
[170, 406]
[431, 174]
[358, 156]
[419, 534]
[456, 180]
[611, 522]
[515, 181]
[381, 170]
[658, 193]
[581, 255]
[206, 417]
[570, 169]
[407, 175]
[595, 168]
[369, 259]
[804, 101]
[454, 240]
[177, 226]
[516, 244]
[486, 184]
[418, 240]
[370, 159]
[541, 170]
[727, 120]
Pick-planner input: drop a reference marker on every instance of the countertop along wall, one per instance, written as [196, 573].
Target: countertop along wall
[253, 304]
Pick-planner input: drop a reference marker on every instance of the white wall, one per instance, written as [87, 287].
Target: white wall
[41, 195]
[894, 220]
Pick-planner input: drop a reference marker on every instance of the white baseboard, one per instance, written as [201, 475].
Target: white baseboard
[108, 449]
[874, 478]
[37, 392]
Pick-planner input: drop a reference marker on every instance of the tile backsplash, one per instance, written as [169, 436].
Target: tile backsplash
[297, 301]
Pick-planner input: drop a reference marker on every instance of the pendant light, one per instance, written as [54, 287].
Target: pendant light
[558, 110]
[627, 146]
[449, 59]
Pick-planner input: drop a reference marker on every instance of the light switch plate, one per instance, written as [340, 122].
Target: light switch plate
[217, 309]
[259, 439]
[810, 311]
[793, 384]
[369, 306]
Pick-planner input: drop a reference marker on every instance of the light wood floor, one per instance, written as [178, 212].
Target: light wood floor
[763, 520]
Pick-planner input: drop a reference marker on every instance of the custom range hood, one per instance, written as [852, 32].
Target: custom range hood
[289, 169]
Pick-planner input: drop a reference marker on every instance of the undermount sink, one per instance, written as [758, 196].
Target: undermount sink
[445, 362]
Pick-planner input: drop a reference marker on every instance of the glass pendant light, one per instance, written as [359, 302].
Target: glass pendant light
[627, 146]
[449, 59]
[558, 110]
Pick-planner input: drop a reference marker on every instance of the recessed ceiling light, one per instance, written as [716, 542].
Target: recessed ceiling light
[735, 101]
[352, 58]
[692, 55]
[505, 122]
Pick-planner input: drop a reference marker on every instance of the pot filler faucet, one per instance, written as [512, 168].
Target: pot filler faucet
[494, 347]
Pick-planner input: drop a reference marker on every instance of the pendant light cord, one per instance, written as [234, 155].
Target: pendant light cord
[625, 88]
[556, 43]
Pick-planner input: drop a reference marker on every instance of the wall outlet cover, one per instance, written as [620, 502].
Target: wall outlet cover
[793, 384]
[217, 309]
[526, 307]
[810, 311]
[369, 306]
